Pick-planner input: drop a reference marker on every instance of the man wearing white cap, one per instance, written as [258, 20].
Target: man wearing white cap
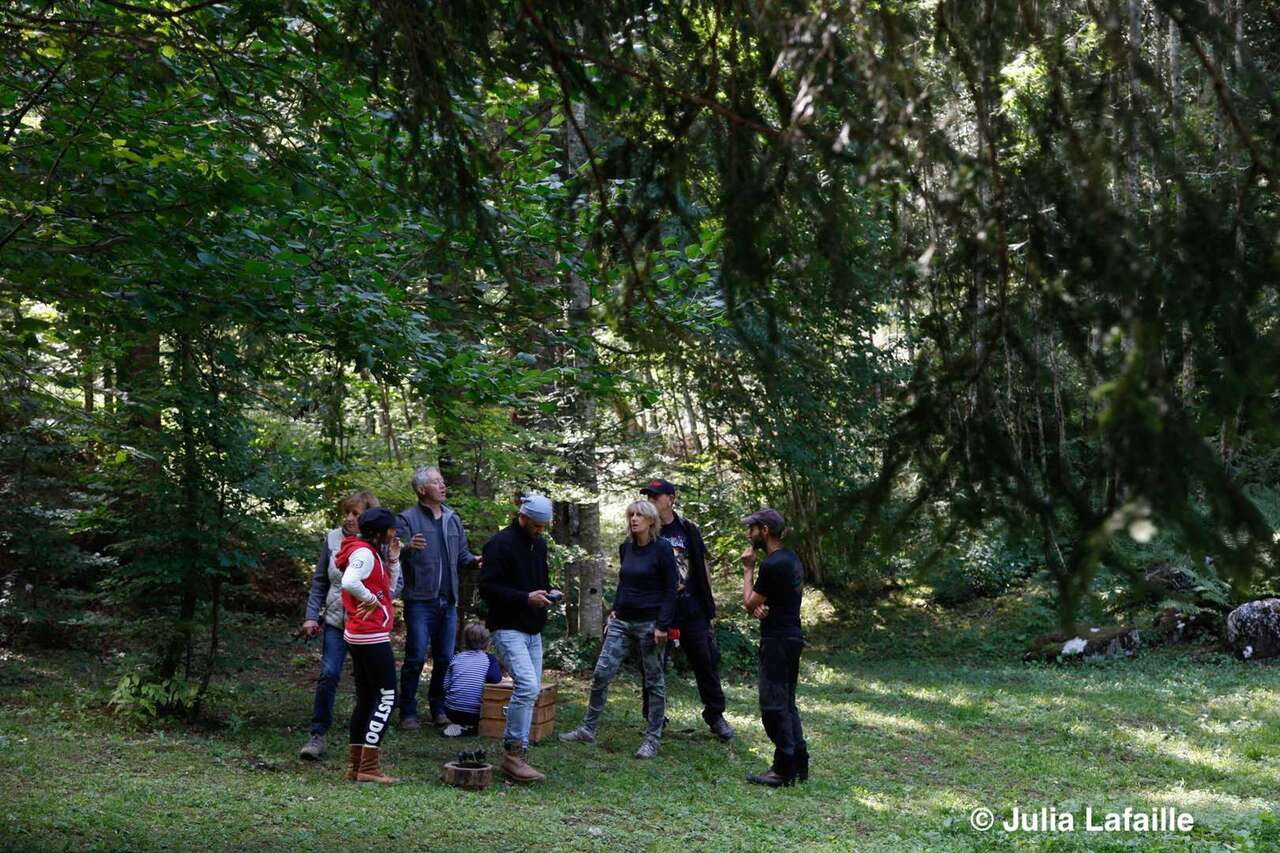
[515, 583]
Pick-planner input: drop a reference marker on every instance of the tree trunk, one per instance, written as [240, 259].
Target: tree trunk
[591, 568]
[690, 411]
[108, 389]
[138, 376]
[88, 379]
[190, 533]
[388, 428]
[1135, 53]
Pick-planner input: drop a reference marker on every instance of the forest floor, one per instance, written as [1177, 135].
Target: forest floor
[915, 717]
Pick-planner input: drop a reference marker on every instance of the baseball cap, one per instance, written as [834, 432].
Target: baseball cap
[375, 520]
[770, 518]
[658, 486]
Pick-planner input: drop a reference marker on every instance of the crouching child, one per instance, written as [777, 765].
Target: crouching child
[469, 671]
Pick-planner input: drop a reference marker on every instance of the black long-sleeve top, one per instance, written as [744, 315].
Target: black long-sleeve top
[646, 583]
[515, 564]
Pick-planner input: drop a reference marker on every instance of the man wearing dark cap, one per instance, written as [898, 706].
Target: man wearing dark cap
[695, 605]
[774, 599]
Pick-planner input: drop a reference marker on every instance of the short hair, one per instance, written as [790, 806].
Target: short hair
[419, 478]
[646, 509]
[359, 501]
[475, 637]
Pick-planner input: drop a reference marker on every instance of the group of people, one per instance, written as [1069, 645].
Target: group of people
[663, 597]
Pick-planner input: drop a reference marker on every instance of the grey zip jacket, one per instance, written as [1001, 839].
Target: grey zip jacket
[423, 583]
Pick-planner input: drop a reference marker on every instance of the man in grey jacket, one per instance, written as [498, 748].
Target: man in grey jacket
[435, 551]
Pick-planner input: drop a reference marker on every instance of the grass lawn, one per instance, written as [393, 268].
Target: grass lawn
[914, 717]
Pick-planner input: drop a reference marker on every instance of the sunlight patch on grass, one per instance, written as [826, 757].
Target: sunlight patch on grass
[1176, 747]
[1199, 801]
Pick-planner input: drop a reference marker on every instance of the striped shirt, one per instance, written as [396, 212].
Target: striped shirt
[468, 673]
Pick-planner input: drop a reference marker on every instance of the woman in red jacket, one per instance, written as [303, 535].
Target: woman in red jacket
[367, 585]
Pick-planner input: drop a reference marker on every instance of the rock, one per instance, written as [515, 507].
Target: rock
[1253, 629]
[1167, 578]
[1088, 644]
[1182, 625]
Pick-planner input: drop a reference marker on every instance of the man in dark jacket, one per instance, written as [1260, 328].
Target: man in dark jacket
[516, 585]
[435, 551]
[695, 605]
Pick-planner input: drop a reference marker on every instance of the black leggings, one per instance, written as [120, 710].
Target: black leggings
[374, 668]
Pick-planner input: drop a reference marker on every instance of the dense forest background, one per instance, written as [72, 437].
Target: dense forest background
[973, 292]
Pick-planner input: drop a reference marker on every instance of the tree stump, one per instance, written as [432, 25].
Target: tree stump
[469, 776]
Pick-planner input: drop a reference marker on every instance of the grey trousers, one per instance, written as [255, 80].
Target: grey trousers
[619, 638]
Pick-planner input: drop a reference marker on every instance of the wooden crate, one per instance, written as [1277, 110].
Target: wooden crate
[493, 717]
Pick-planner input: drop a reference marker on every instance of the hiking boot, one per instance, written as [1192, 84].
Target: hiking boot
[581, 734]
[721, 729]
[648, 748]
[441, 719]
[370, 769]
[353, 761]
[770, 778]
[409, 724]
[517, 768]
[314, 748]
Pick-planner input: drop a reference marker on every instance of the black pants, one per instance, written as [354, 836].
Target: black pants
[698, 641]
[779, 671]
[374, 670]
[462, 718]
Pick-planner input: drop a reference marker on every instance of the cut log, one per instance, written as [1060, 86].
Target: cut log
[463, 776]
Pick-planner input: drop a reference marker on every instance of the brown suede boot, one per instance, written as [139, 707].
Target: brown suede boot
[369, 771]
[353, 761]
[517, 768]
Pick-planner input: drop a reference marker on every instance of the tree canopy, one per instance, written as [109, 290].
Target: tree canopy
[917, 273]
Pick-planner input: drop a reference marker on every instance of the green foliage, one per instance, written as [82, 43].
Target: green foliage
[145, 700]
[570, 652]
[981, 564]
[739, 647]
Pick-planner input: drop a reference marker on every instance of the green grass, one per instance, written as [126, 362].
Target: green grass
[914, 718]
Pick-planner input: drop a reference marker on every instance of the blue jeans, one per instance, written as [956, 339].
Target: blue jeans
[426, 622]
[332, 655]
[521, 654]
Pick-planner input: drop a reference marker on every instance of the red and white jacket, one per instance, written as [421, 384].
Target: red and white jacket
[364, 578]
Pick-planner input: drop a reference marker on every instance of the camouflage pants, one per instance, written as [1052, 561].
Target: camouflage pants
[619, 638]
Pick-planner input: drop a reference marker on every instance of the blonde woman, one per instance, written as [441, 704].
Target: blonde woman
[643, 609]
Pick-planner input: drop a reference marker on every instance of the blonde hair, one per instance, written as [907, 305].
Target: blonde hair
[359, 501]
[650, 513]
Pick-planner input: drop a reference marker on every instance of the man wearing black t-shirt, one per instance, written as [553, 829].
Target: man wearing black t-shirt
[774, 599]
[695, 606]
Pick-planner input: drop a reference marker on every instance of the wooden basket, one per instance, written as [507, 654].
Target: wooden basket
[493, 712]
